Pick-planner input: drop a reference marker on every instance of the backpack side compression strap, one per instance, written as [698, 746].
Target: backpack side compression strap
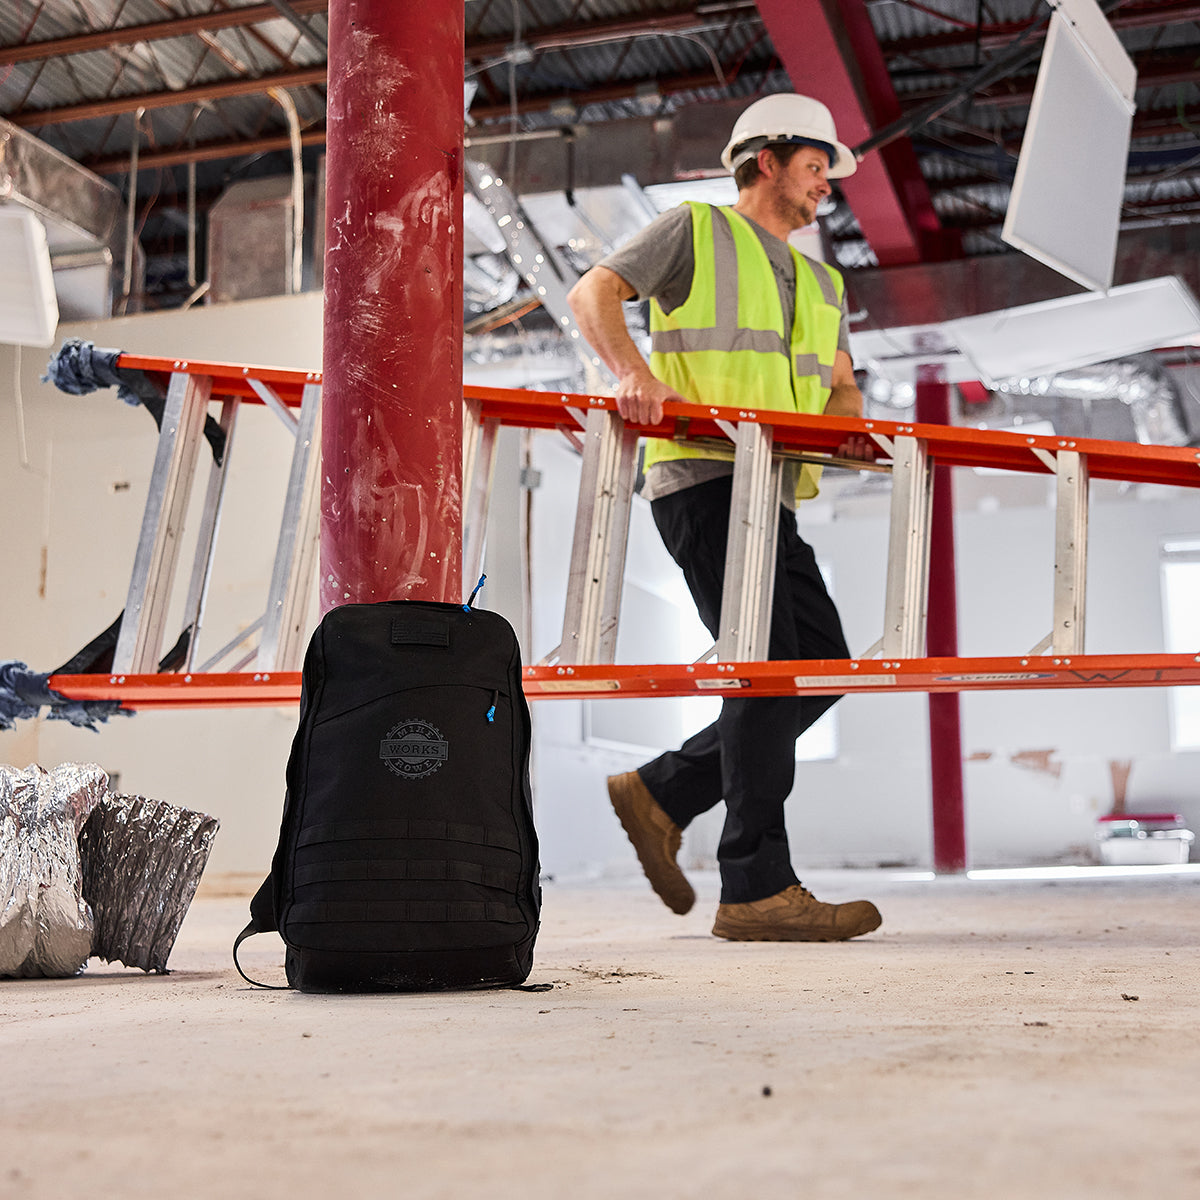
[262, 920]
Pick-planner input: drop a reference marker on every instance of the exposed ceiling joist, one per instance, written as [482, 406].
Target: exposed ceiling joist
[115, 105]
[831, 52]
[1154, 69]
[128, 35]
[997, 36]
[584, 33]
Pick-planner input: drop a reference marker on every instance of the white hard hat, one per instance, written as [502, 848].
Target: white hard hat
[786, 117]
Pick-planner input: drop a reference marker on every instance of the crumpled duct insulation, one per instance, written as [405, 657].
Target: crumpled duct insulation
[142, 861]
[45, 924]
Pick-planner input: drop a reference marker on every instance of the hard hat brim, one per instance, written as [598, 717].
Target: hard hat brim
[844, 163]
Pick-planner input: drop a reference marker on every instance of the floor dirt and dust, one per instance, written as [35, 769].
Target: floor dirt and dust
[996, 1038]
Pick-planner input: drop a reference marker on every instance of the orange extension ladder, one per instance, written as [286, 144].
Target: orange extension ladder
[582, 665]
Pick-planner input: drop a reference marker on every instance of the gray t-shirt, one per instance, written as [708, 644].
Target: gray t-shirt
[659, 262]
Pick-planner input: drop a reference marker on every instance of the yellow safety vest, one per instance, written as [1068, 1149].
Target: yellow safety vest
[729, 347]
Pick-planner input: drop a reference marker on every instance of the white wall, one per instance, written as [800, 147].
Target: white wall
[71, 528]
[872, 803]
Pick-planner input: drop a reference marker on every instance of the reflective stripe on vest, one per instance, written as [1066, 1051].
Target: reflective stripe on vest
[726, 346]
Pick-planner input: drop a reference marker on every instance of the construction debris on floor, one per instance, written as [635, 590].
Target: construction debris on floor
[86, 873]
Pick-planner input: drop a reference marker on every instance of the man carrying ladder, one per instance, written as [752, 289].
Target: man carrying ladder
[738, 318]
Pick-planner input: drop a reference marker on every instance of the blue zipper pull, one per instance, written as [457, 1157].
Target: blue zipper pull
[491, 712]
[471, 598]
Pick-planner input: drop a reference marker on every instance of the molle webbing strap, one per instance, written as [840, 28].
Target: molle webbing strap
[500, 878]
[434, 831]
[426, 629]
[402, 912]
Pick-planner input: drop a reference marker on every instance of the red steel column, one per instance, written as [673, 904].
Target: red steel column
[391, 500]
[945, 737]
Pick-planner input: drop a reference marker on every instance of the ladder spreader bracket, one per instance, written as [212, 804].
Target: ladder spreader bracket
[1046, 458]
[275, 404]
[885, 444]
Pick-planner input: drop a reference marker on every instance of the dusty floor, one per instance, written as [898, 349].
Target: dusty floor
[993, 1039]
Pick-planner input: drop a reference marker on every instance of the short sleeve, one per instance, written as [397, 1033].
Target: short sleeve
[658, 261]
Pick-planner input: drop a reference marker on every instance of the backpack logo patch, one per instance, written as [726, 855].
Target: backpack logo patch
[413, 749]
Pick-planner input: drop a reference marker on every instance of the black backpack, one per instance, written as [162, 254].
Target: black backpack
[407, 857]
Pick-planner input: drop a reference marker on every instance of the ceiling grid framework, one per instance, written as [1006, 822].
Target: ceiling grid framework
[189, 82]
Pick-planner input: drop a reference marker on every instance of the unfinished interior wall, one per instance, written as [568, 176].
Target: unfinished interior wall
[67, 559]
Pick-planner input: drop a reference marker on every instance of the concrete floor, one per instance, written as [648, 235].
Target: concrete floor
[996, 1038]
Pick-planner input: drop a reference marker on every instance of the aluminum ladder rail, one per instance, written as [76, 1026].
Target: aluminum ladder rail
[139, 642]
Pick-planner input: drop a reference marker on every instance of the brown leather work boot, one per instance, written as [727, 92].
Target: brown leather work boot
[795, 915]
[655, 837]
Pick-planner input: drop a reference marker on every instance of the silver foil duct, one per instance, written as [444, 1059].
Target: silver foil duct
[142, 861]
[45, 924]
[1140, 382]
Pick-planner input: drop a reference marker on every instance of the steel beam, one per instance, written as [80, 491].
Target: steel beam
[391, 509]
[151, 31]
[831, 52]
[945, 731]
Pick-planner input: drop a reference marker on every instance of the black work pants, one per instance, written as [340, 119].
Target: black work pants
[747, 757]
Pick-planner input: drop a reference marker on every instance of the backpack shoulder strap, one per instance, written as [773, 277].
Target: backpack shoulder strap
[262, 920]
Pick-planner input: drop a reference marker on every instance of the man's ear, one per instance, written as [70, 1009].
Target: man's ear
[767, 162]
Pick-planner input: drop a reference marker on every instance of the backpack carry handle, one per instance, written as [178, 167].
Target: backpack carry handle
[262, 920]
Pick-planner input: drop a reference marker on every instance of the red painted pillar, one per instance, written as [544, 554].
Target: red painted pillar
[391, 500]
[945, 737]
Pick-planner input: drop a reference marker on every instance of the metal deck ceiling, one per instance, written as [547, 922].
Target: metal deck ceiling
[190, 81]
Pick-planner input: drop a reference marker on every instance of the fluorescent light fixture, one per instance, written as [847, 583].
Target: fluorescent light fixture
[28, 306]
[1056, 335]
[895, 354]
[1065, 206]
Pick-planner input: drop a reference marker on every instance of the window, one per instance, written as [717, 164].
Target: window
[1181, 619]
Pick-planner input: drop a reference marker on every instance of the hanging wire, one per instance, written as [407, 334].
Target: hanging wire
[22, 440]
[511, 57]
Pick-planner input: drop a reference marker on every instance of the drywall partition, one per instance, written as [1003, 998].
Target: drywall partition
[79, 487]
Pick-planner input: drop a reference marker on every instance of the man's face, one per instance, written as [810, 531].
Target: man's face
[802, 185]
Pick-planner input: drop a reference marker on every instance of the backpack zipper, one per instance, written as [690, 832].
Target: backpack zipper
[491, 712]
